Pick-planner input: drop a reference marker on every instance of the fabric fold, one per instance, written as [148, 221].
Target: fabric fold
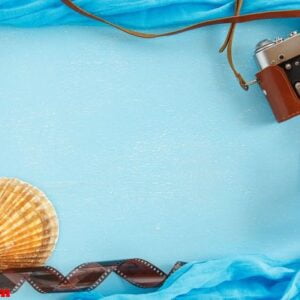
[139, 14]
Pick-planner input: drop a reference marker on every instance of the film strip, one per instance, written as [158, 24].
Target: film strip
[85, 277]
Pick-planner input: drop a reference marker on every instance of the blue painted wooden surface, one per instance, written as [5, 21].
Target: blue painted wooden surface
[148, 148]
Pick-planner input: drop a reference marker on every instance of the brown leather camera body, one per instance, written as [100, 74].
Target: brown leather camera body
[281, 95]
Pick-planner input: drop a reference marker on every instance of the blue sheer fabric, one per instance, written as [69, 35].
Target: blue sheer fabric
[132, 13]
[243, 278]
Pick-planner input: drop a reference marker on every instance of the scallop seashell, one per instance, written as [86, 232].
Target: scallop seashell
[28, 225]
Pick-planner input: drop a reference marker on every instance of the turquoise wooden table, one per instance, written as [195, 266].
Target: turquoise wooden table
[148, 148]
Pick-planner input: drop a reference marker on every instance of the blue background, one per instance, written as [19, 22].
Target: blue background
[148, 148]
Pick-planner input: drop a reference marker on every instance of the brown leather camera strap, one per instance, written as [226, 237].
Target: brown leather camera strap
[233, 20]
[228, 46]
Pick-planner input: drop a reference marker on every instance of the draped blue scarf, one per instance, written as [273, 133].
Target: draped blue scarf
[143, 14]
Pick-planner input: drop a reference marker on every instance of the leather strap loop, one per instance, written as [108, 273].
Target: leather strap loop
[233, 20]
[228, 46]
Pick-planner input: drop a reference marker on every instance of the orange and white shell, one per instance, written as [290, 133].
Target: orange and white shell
[28, 225]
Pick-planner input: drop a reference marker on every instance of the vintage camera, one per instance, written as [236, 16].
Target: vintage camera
[279, 77]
